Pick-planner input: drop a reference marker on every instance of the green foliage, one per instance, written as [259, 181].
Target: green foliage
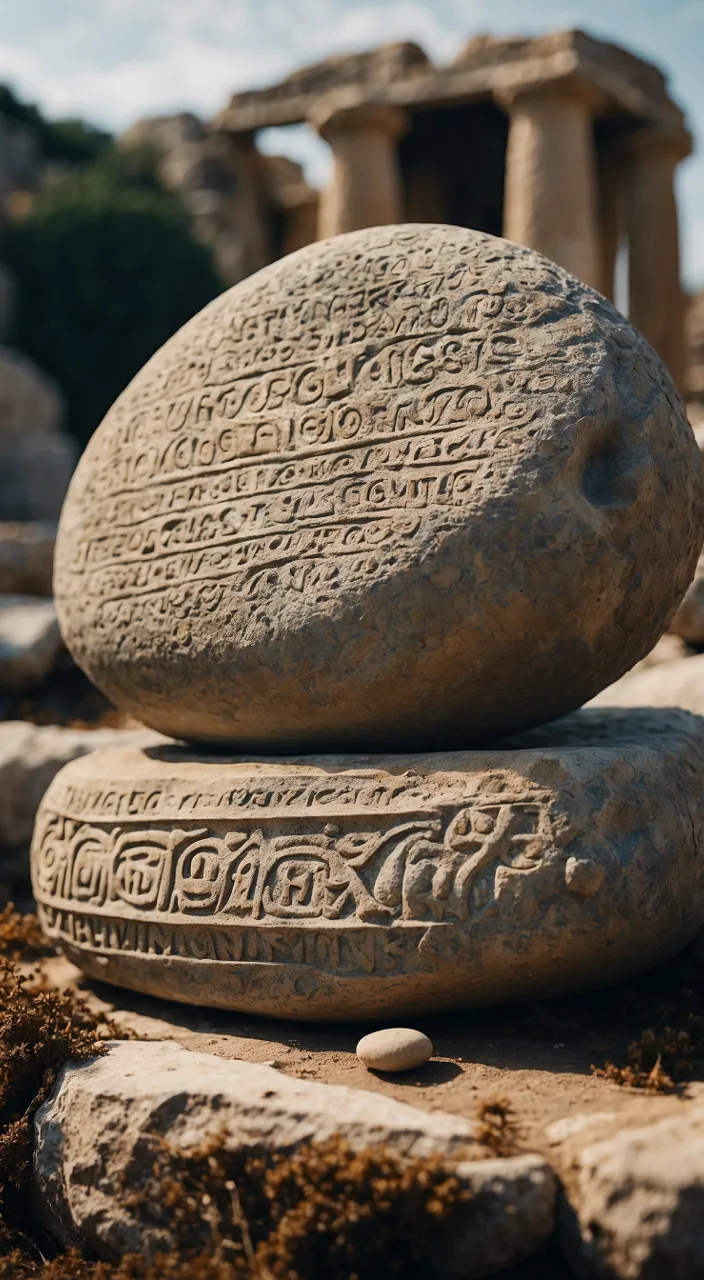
[71, 141]
[107, 268]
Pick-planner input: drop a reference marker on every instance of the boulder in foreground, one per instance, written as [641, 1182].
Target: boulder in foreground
[636, 1202]
[412, 487]
[106, 1117]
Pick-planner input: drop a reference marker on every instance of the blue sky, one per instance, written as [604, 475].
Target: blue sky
[113, 61]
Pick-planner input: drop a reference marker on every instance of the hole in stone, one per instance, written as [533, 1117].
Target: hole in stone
[605, 478]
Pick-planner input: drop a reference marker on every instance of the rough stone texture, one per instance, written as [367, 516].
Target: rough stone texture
[635, 1207]
[411, 486]
[93, 1129]
[36, 458]
[671, 684]
[31, 755]
[26, 557]
[688, 622]
[335, 888]
[394, 1049]
[30, 641]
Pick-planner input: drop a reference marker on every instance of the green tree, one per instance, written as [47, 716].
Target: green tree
[107, 268]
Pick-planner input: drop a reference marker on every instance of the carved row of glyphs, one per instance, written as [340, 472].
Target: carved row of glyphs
[424, 869]
[351, 499]
[356, 481]
[279, 414]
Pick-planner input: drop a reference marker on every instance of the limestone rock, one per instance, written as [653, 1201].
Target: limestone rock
[394, 1049]
[36, 458]
[671, 684]
[30, 641]
[413, 486]
[95, 1127]
[26, 557]
[636, 1208]
[333, 888]
[688, 622]
[31, 755]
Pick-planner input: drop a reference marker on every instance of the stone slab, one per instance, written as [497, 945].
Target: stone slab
[688, 622]
[635, 1202]
[30, 641]
[679, 683]
[31, 755]
[94, 1126]
[344, 887]
[409, 487]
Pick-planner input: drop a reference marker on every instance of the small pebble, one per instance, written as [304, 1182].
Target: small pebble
[395, 1049]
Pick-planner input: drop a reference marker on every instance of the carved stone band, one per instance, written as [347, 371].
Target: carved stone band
[343, 887]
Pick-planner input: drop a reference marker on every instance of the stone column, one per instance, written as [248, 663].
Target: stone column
[550, 193]
[656, 299]
[365, 190]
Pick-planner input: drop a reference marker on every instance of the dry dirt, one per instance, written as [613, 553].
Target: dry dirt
[539, 1057]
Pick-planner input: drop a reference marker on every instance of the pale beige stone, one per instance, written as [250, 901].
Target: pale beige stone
[94, 1131]
[671, 684]
[413, 486]
[30, 641]
[688, 622]
[635, 1203]
[31, 755]
[394, 1049]
[335, 888]
[36, 458]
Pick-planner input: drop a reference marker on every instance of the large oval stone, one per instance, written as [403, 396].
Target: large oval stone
[413, 485]
[343, 887]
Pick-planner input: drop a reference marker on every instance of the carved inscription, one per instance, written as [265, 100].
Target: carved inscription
[319, 419]
[254, 891]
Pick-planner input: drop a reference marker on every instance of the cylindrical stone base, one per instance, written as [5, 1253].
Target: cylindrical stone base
[334, 888]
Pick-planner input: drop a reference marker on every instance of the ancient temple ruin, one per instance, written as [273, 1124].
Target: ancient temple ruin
[563, 143]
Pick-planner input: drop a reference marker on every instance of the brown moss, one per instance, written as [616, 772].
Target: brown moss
[22, 937]
[323, 1209]
[39, 1031]
[497, 1126]
[661, 1058]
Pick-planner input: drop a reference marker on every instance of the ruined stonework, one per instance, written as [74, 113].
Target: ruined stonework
[412, 486]
[335, 888]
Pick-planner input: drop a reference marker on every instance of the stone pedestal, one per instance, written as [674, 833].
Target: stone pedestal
[550, 201]
[365, 190]
[656, 300]
[344, 887]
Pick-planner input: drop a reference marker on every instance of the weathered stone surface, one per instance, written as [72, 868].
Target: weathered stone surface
[94, 1128]
[30, 641]
[26, 557]
[31, 755]
[636, 1204]
[412, 486]
[36, 458]
[394, 1049]
[688, 622]
[334, 888]
[670, 684]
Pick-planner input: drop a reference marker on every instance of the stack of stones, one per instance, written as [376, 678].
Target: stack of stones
[351, 537]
